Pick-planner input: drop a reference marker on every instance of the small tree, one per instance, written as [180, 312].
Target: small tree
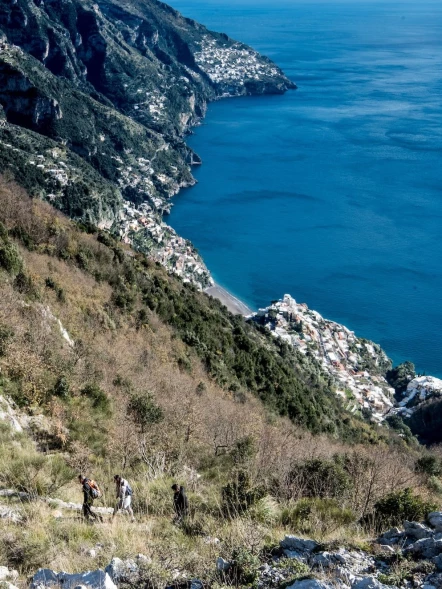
[144, 411]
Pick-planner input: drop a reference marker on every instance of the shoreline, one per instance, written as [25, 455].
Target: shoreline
[233, 304]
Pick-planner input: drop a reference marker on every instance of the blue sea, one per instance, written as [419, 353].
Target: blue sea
[332, 192]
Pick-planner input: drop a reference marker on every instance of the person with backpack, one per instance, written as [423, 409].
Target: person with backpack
[124, 496]
[90, 493]
[180, 502]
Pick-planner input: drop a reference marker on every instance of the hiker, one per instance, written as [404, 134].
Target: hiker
[124, 496]
[180, 502]
[90, 492]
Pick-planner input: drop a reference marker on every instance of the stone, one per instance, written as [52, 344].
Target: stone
[46, 578]
[8, 574]
[417, 531]
[323, 560]
[196, 584]
[122, 570]
[222, 565]
[426, 547]
[438, 562]
[391, 537]
[387, 549]
[91, 552]
[310, 584]
[142, 558]
[435, 519]
[296, 544]
[369, 583]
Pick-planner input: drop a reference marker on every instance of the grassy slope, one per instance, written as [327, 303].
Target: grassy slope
[213, 421]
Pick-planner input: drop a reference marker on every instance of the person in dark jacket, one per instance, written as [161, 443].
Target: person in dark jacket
[180, 502]
[88, 499]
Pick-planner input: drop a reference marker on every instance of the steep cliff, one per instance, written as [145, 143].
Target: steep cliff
[118, 84]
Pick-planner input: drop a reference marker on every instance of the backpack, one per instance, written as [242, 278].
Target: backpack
[95, 490]
[129, 491]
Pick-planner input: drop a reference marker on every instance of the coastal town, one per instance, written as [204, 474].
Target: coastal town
[231, 66]
[354, 364]
[142, 227]
[418, 391]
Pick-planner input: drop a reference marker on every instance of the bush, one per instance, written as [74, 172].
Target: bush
[10, 258]
[244, 569]
[402, 505]
[61, 388]
[320, 478]
[144, 411]
[430, 465]
[238, 495]
[98, 397]
[6, 334]
[317, 516]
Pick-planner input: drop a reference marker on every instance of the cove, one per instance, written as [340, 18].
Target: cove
[333, 192]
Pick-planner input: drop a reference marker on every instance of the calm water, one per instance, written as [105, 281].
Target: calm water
[332, 193]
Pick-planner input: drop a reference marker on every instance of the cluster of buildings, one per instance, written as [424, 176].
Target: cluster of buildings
[142, 227]
[232, 64]
[419, 390]
[355, 365]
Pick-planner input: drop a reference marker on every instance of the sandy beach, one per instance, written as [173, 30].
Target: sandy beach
[234, 305]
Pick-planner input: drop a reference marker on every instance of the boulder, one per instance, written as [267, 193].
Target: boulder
[369, 583]
[310, 584]
[300, 545]
[122, 570]
[7, 574]
[438, 562]
[323, 560]
[391, 537]
[45, 578]
[435, 519]
[222, 565]
[417, 531]
[425, 548]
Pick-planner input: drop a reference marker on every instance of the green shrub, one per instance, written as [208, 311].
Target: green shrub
[98, 397]
[239, 494]
[10, 258]
[320, 478]
[317, 516]
[24, 284]
[244, 568]
[61, 387]
[429, 465]
[6, 334]
[144, 411]
[402, 505]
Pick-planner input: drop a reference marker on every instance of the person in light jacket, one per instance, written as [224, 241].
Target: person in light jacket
[124, 496]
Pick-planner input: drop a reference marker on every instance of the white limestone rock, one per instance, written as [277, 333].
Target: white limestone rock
[426, 547]
[417, 531]
[122, 570]
[310, 584]
[46, 578]
[369, 583]
[7, 574]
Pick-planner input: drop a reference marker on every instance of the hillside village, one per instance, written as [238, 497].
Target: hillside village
[232, 66]
[142, 227]
[356, 365]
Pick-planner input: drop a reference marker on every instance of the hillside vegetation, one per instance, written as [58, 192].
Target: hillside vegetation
[116, 366]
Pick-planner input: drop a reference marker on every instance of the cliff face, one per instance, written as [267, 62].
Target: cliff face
[116, 82]
[95, 99]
